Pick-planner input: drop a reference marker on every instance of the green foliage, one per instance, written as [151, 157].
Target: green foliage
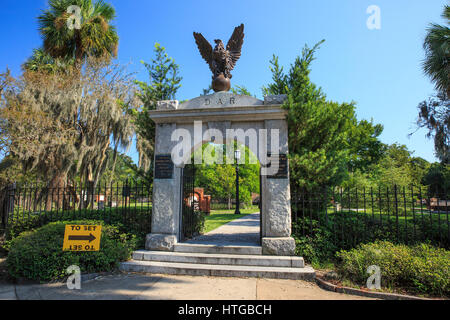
[197, 225]
[164, 78]
[437, 52]
[237, 89]
[241, 90]
[219, 180]
[38, 254]
[365, 147]
[325, 138]
[11, 171]
[316, 247]
[43, 62]
[96, 37]
[434, 116]
[119, 169]
[434, 113]
[61, 126]
[437, 178]
[394, 168]
[418, 167]
[421, 268]
[164, 83]
[134, 221]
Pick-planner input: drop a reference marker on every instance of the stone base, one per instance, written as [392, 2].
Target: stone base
[160, 242]
[278, 246]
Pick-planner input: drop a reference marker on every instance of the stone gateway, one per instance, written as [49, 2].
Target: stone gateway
[259, 125]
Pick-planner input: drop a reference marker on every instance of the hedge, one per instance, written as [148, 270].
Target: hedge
[38, 254]
[421, 268]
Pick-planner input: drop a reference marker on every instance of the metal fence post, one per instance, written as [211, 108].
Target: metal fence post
[8, 205]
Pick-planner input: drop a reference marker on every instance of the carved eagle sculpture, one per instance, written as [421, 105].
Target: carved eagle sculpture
[221, 61]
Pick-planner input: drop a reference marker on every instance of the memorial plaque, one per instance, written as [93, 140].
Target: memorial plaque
[163, 167]
[283, 166]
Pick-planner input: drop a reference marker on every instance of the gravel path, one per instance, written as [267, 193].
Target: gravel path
[239, 232]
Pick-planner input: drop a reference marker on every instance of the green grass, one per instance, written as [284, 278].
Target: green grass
[221, 217]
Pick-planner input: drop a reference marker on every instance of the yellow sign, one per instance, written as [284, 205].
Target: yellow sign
[82, 238]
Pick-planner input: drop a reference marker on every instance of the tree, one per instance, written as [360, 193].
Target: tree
[437, 54]
[437, 179]
[28, 127]
[95, 37]
[120, 170]
[104, 116]
[92, 102]
[419, 167]
[219, 180]
[42, 61]
[11, 171]
[164, 84]
[434, 113]
[365, 147]
[325, 138]
[237, 89]
[241, 90]
[394, 168]
[62, 124]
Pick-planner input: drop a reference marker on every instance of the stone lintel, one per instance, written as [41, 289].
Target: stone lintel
[242, 114]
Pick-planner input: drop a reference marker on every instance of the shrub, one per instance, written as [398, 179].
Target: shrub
[421, 268]
[316, 247]
[134, 221]
[38, 255]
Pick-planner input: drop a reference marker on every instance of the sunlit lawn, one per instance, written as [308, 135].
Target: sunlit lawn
[221, 217]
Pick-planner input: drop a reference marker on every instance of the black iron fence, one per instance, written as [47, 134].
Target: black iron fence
[126, 205]
[348, 217]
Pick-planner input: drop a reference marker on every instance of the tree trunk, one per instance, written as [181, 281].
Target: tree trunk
[55, 191]
[89, 187]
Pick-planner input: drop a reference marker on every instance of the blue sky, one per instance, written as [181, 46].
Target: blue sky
[378, 69]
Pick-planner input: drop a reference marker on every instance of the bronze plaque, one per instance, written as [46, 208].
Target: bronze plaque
[163, 166]
[283, 166]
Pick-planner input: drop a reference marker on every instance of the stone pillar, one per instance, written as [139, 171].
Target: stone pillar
[276, 226]
[166, 193]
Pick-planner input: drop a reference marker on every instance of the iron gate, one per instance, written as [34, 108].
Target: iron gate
[191, 215]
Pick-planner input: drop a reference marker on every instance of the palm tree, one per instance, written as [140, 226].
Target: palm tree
[96, 36]
[42, 61]
[437, 54]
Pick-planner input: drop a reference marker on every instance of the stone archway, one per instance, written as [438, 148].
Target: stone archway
[259, 125]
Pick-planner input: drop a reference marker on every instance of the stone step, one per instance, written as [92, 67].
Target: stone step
[219, 259]
[306, 273]
[209, 248]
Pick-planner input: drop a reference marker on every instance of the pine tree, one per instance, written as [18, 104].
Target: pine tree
[324, 136]
[164, 84]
